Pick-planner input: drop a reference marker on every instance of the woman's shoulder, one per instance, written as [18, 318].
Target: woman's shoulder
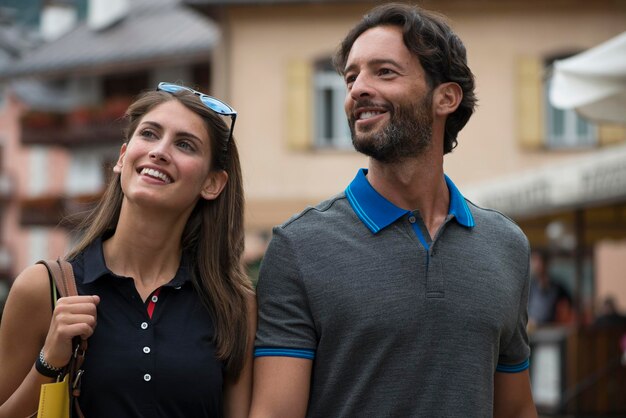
[33, 283]
[29, 302]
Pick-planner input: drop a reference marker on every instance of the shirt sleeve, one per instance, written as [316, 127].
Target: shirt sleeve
[514, 355]
[285, 324]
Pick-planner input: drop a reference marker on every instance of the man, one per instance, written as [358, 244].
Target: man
[396, 298]
[548, 301]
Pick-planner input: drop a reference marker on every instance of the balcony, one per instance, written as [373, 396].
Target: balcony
[56, 210]
[84, 126]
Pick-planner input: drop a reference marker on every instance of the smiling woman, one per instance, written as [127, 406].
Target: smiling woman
[158, 269]
[170, 146]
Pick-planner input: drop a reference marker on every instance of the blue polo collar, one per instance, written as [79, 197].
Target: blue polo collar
[95, 266]
[377, 213]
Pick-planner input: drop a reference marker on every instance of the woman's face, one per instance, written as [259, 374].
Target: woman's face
[166, 162]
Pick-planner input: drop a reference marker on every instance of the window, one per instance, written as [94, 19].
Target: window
[331, 125]
[86, 174]
[565, 128]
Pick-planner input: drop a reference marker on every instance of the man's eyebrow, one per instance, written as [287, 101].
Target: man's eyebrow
[377, 61]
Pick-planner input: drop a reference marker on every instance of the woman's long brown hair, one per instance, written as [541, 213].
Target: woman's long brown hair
[213, 237]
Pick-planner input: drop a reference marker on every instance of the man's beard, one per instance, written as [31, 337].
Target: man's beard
[408, 133]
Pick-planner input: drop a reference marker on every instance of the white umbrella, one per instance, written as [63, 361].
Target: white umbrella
[593, 82]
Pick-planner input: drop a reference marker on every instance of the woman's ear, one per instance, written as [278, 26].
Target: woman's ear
[214, 184]
[447, 98]
[120, 161]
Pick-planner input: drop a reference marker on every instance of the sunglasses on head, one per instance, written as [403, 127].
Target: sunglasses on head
[211, 102]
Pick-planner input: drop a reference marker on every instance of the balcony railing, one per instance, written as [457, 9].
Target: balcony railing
[81, 127]
[56, 210]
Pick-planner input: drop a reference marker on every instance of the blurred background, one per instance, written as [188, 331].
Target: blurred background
[547, 145]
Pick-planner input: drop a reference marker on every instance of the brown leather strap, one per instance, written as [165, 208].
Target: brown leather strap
[62, 274]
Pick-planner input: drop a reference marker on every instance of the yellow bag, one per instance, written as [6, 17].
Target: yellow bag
[54, 400]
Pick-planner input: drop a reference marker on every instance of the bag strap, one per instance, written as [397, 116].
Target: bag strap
[62, 274]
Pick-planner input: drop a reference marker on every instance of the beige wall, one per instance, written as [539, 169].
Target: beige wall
[488, 146]
[610, 269]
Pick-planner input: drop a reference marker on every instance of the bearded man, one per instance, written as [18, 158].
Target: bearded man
[398, 297]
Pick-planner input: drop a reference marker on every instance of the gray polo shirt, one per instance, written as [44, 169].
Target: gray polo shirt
[397, 324]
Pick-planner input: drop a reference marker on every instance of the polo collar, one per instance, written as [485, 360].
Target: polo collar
[377, 213]
[95, 267]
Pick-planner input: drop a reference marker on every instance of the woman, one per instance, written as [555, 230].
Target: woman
[168, 311]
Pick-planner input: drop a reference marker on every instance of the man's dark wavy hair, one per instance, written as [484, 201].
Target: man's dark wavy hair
[439, 50]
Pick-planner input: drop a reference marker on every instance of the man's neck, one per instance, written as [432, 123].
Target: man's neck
[412, 184]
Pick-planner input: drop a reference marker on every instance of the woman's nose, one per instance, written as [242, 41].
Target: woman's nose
[158, 154]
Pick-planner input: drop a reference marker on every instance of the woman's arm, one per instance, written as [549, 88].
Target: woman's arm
[27, 326]
[238, 393]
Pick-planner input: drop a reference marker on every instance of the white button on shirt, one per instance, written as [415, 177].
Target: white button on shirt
[144, 325]
[155, 299]
[146, 350]
[147, 377]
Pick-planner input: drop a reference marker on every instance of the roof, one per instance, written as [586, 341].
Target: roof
[265, 2]
[152, 31]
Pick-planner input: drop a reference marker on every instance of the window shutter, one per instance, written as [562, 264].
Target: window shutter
[530, 106]
[299, 102]
[609, 133]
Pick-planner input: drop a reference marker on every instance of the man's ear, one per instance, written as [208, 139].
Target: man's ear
[120, 161]
[214, 184]
[447, 98]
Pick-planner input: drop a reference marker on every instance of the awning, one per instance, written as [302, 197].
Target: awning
[595, 179]
[593, 82]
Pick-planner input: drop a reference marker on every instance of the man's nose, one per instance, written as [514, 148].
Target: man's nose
[361, 87]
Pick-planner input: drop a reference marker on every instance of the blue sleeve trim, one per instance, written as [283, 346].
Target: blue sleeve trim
[284, 352]
[513, 368]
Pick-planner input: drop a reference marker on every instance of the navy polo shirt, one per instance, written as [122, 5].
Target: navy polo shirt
[142, 366]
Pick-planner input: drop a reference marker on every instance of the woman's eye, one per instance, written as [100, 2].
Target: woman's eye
[385, 71]
[147, 133]
[187, 146]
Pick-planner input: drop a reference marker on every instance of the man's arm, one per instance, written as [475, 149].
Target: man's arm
[281, 387]
[512, 397]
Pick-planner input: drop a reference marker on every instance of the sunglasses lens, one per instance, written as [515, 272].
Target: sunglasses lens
[216, 105]
[212, 103]
[171, 88]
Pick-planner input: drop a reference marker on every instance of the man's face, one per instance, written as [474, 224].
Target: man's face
[389, 103]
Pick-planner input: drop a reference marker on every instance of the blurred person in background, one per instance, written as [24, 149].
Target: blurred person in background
[548, 301]
[163, 299]
[608, 315]
[397, 297]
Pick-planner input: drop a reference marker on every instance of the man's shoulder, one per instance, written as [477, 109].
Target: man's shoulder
[492, 221]
[332, 208]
